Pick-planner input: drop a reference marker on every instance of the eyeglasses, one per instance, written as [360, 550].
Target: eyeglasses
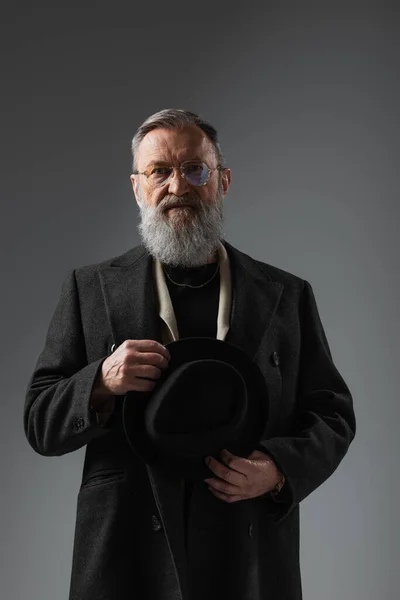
[195, 172]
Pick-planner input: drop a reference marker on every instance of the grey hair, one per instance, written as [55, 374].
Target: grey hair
[175, 118]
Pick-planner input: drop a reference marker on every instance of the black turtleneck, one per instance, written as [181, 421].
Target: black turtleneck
[196, 310]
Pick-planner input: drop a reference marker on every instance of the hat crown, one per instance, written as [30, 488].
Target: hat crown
[190, 397]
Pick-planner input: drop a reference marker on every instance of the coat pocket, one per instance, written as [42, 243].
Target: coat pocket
[101, 477]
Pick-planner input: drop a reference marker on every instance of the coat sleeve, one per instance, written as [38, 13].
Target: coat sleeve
[58, 417]
[324, 421]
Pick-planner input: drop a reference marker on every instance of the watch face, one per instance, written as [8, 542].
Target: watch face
[278, 487]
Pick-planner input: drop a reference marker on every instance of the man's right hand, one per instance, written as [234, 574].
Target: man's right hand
[125, 368]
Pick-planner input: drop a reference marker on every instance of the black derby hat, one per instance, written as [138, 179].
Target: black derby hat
[211, 396]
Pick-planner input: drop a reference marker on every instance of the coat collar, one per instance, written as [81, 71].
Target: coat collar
[136, 296]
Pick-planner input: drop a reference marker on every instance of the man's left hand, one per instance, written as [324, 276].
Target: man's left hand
[241, 478]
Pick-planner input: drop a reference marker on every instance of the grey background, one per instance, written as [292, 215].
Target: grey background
[306, 100]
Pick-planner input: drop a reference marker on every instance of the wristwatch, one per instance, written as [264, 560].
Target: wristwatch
[278, 487]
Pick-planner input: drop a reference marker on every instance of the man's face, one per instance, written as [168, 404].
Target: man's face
[187, 235]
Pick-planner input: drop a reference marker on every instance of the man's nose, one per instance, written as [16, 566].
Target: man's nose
[177, 184]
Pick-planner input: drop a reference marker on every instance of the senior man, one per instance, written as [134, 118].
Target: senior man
[147, 532]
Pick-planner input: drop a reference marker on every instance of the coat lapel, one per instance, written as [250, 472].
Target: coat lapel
[133, 312]
[129, 297]
[255, 300]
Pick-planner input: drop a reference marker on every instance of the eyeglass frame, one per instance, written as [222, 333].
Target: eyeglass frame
[219, 168]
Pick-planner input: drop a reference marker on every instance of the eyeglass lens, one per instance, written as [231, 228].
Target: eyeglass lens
[195, 172]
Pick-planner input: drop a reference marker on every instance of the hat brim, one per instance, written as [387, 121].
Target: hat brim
[194, 349]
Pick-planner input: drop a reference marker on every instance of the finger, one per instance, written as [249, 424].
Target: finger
[147, 371]
[223, 486]
[226, 497]
[226, 473]
[150, 358]
[149, 346]
[237, 463]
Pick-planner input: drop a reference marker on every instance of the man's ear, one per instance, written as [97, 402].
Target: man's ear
[135, 188]
[226, 180]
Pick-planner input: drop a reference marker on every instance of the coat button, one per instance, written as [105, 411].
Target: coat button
[112, 348]
[156, 523]
[275, 358]
[251, 530]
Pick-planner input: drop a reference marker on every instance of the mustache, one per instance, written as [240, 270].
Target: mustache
[185, 200]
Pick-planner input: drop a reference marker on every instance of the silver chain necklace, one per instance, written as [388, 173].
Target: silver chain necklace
[188, 284]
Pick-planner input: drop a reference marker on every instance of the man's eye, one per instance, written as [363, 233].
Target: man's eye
[193, 167]
[160, 171]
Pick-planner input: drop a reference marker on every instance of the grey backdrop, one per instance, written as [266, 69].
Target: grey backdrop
[306, 100]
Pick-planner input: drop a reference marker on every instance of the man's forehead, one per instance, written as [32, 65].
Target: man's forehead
[170, 144]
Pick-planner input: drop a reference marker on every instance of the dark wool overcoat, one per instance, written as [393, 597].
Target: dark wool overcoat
[129, 535]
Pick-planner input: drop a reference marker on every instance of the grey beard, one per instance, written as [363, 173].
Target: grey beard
[182, 240]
